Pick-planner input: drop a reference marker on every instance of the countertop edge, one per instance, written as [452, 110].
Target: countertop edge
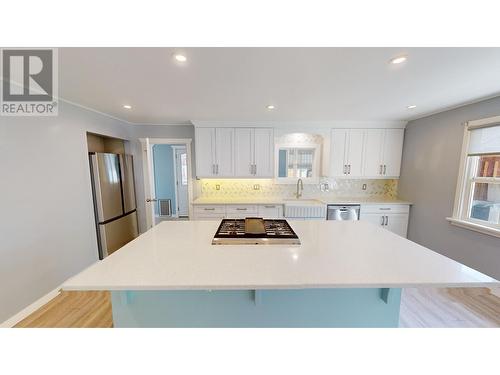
[479, 284]
[360, 201]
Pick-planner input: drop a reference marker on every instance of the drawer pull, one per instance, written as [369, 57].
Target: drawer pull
[269, 206]
[241, 209]
[385, 208]
[209, 209]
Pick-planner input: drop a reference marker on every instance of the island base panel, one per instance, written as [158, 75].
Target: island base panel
[360, 307]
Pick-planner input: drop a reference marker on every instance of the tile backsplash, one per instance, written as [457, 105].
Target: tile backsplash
[248, 188]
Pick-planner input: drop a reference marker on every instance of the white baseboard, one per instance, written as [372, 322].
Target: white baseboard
[11, 322]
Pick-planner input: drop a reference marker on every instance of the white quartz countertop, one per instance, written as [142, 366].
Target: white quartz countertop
[333, 254]
[280, 200]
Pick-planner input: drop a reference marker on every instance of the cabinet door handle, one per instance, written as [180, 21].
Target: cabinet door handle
[385, 167]
[216, 168]
[349, 169]
[383, 220]
[381, 166]
[386, 220]
[255, 169]
[213, 168]
[345, 168]
[251, 168]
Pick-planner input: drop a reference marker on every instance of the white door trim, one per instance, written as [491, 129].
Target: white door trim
[177, 178]
[147, 163]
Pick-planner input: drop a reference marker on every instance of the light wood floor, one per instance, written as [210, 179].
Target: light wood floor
[450, 308]
[73, 310]
[420, 307]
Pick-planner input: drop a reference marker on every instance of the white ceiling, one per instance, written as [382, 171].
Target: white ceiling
[305, 84]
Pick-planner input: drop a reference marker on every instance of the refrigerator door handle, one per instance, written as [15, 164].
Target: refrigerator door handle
[96, 186]
[128, 188]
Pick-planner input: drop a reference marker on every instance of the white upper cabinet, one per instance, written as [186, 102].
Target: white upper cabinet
[383, 150]
[392, 152]
[264, 152]
[234, 152]
[346, 154]
[374, 142]
[224, 152]
[205, 152]
[372, 153]
[354, 160]
[243, 152]
[338, 152]
[214, 152]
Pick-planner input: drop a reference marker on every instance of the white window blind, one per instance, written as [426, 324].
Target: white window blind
[484, 140]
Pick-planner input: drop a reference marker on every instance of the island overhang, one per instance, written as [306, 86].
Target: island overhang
[344, 274]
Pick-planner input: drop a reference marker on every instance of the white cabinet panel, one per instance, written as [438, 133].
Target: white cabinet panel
[397, 223]
[346, 154]
[205, 152]
[264, 152]
[374, 142]
[238, 211]
[355, 152]
[393, 149]
[243, 152]
[224, 152]
[390, 217]
[234, 152]
[338, 152]
[377, 219]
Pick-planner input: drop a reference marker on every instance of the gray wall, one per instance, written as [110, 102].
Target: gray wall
[153, 131]
[431, 156]
[47, 230]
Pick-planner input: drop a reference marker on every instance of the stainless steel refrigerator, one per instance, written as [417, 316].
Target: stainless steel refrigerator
[114, 200]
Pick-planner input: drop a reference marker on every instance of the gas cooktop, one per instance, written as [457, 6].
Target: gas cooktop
[255, 231]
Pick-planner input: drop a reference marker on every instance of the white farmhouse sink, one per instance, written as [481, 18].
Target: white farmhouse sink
[302, 202]
[304, 208]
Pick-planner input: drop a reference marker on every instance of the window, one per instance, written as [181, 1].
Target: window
[296, 162]
[184, 173]
[477, 201]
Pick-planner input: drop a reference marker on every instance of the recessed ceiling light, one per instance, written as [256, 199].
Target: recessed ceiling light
[398, 60]
[180, 58]
[270, 107]
[126, 106]
[411, 106]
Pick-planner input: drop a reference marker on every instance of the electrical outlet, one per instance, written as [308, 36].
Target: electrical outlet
[217, 187]
[256, 187]
[364, 187]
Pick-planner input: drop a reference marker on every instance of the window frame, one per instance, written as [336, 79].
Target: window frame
[465, 182]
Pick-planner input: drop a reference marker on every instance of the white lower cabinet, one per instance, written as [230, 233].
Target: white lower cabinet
[240, 211]
[209, 212]
[233, 211]
[390, 217]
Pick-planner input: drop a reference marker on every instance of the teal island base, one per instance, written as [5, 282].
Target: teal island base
[353, 307]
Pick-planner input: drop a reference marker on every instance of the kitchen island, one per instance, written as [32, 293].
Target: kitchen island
[344, 274]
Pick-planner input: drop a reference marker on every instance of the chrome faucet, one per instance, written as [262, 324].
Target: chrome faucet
[299, 194]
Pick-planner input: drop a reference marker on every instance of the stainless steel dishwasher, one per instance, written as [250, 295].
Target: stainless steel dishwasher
[343, 212]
